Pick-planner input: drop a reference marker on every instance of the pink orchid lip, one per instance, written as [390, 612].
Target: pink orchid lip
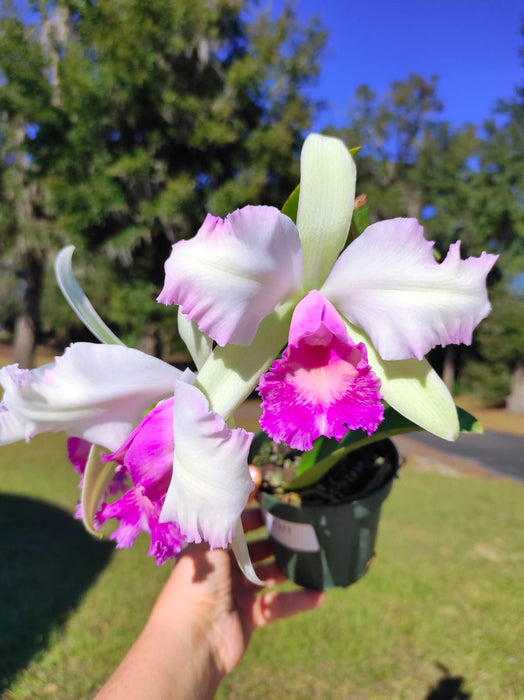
[146, 456]
[148, 451]
[78, 453]
[137, 512]
[323, 384]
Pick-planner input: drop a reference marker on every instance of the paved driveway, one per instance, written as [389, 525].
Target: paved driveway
[498, 452]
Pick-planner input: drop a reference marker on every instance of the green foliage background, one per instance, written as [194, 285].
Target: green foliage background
[122, 123]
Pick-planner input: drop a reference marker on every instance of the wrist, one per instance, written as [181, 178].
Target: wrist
[182, 633]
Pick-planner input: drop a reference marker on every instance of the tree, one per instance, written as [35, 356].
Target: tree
[497, 209]
[462, 186]
[410, 157]
[136, 118]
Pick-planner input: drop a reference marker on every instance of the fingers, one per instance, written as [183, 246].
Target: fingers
[273, 606]
[256, 475]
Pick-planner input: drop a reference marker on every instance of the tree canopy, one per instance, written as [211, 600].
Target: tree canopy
[462, 183]
[123, 122]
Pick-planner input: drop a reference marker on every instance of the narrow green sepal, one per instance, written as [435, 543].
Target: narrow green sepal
[327, 190]
[230, 373]
[77, 299]
[414, 389]
[97, 477]
[290, 207]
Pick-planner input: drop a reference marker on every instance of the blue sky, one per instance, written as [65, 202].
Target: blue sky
[472, 45]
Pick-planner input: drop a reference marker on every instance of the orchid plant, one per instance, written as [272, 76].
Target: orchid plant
[355, 321]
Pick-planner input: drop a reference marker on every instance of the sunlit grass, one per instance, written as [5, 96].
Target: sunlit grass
[442, 603]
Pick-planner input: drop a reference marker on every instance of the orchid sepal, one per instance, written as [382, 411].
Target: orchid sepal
[241, 552]
[199, 344]
[97, 477]
[231, 373]
[77, 299]
[414, 389]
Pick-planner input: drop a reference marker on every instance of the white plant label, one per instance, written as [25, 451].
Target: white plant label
[298, 536]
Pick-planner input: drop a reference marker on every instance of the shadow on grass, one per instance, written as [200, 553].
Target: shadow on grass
[47, 561]
[448, 687]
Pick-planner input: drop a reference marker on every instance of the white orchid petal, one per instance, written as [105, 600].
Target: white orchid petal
[231, 373]
[96, 392]
[211, 481]
[199, 344]
[241, 552]
[413, 389]
[327, 193]
[234, 272]
[77, 299]
[12, 428]
[388, 282]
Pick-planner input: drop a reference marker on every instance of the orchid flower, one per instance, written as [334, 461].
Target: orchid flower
[357, 323]
[189, 475]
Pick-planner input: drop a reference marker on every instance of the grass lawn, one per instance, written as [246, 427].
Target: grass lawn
[439, 615]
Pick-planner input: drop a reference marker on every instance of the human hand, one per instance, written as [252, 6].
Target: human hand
[202, 621]
[217, 597]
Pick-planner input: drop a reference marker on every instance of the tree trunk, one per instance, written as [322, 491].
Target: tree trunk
[448, 370]
[27, 324]
[515, 401]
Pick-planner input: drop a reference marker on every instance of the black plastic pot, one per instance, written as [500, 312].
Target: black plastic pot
[322, 546]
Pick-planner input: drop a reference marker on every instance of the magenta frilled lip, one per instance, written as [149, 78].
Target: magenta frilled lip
[323, 385]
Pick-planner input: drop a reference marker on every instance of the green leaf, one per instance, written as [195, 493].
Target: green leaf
[290, 207]
[360, 221]
[313, 455]
[327, 452]
[468, 423]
